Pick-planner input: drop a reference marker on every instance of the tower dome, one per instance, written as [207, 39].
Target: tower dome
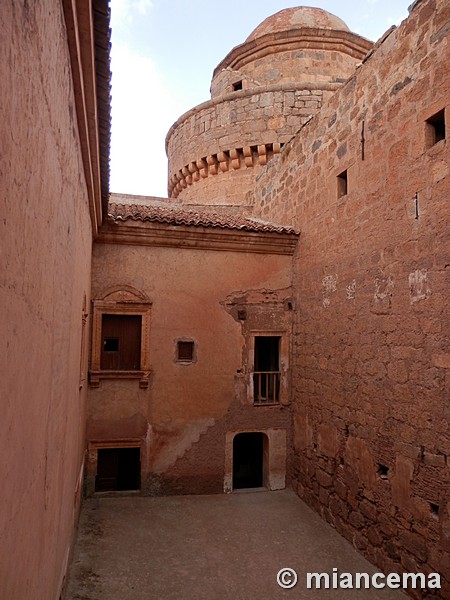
[298, 18]
[261, 93]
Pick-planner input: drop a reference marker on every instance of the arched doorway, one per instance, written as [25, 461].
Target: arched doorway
[249, 449]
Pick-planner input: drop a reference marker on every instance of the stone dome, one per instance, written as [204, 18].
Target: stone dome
[296, 18]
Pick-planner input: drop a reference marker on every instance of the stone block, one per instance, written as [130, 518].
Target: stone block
[369, 510]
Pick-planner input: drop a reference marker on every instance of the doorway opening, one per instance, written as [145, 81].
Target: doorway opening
[118, 469]
[248, 460]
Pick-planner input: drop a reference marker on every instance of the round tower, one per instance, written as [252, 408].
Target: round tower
[261, 94]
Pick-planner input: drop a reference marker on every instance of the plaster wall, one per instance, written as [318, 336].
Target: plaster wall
[371, 334]
[181, 420]
[45, 247]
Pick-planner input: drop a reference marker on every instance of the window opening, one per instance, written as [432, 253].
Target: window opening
[111, 344]
[121, 347]
[383, 471]
[266, 375]
[434, 508]
[185, 351]
[436, 128]
[248, 452]
[342, 184]
[237, 85]
[118, 469]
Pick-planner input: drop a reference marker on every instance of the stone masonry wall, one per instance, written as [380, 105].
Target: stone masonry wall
[308, 62]
[236, 132]
[371, 282]
[45, 235]
[285, 78]
[308, 65]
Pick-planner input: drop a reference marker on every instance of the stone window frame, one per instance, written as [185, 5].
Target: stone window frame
[120, 300]
[92, 461]
[284, 366]
[84, 318]
[181, 361]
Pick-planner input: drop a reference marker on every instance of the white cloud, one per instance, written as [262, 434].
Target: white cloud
[143, 109]
[143, 6]
[125, 11]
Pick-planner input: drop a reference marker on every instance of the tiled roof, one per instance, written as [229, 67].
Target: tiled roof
[177, 214]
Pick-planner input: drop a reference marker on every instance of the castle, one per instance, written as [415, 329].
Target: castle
[280, 319]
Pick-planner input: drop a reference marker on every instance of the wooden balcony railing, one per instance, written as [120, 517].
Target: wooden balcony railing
[266, 386]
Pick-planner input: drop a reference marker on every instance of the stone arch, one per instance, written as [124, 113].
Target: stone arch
[275, 455]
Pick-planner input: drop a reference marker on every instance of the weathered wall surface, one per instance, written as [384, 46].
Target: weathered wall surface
[285, 77]
[371, 355]
[181, 420]
[220, 143]
[311, 63]
[45, 245]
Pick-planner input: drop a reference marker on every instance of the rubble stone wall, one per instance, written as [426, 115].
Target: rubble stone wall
[234, 133]
[371, 284]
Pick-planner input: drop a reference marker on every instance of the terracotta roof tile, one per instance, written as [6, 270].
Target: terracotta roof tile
[177, 214]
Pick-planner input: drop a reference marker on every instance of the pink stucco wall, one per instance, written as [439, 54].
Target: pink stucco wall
[45, 249]
[181, 419]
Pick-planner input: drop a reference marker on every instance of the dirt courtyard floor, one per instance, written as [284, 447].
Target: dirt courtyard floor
[209, 547]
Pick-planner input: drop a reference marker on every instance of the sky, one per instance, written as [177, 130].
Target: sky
[162, 58]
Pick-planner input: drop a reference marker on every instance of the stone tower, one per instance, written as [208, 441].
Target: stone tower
[261, 94]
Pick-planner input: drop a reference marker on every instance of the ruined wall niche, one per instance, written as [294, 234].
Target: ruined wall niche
[263, 313]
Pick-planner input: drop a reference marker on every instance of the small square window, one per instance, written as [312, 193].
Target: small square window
[237, 85]
[111, 345]
[342, 184]
[435, 131]
[185, 351]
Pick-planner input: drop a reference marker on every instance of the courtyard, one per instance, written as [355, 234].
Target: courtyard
[209, 547]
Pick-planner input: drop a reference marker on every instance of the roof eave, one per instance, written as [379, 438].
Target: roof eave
[88, 36]
[196, 237]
